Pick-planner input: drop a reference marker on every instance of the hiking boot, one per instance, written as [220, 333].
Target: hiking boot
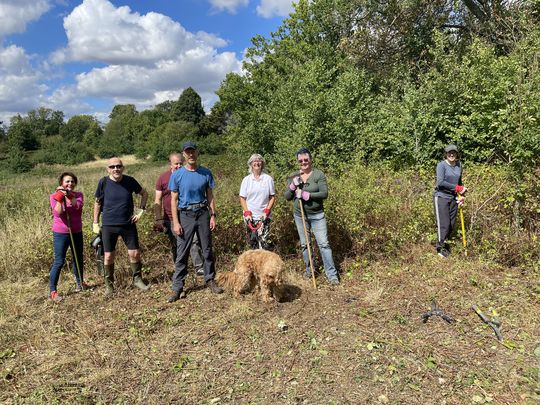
[216, 289]
[56, 297]
[140, 284]
[199, 272]
[333, 281]
[177, 295]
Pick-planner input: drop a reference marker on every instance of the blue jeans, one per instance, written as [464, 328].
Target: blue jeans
[316, 223]
[61, 242]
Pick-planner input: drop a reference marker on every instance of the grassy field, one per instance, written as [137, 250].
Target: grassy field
[361, 342]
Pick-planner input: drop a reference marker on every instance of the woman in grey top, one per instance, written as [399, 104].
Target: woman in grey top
[447, 197]
[308, 187]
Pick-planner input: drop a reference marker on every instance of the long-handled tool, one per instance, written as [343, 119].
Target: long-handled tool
[463, 227]
[301, 203]
[493, 322]
[73, 248]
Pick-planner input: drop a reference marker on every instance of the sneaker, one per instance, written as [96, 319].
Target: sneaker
[56, 297]
[216, 289]
[176, 295]
[199, 272]
[82, 287]
[444, 253]
[333, 281]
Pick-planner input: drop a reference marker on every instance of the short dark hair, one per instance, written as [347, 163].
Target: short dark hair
[70, 174]
[303, 151]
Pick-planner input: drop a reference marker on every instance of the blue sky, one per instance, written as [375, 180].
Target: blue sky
[83, 57]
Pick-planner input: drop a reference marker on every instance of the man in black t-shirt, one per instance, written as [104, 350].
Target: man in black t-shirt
[114, 198]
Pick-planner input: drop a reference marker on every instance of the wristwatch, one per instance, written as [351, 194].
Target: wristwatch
[213, 214]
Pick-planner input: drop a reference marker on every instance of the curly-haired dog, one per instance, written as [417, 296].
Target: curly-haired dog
[255, 270]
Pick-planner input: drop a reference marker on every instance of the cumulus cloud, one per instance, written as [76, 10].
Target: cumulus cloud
[19, 82]
[15, 14]
[147, 56]
[230, 5]
[273, 8]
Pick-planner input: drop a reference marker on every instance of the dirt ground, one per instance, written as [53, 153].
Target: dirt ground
[361, 342]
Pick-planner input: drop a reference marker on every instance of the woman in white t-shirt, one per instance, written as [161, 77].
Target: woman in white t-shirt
[257, 196]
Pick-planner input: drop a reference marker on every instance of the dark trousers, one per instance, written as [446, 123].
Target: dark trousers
[445, 215]
[195, 250]
[193, 222]
[62, 241]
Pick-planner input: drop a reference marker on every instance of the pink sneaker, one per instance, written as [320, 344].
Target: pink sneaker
[55, 297]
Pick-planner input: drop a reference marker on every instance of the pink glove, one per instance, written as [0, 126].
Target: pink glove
[461, 189]
[460, 200]
[266, 213]
[305, 195]
[297, 181]
[58, 196]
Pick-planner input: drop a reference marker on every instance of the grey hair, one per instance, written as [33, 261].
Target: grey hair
[254, 157]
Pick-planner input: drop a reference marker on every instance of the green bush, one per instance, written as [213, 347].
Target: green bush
[56, 150]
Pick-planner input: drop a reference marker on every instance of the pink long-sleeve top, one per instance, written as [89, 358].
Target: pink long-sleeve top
[60, 223]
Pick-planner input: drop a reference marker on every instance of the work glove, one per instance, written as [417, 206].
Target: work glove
[158, 225]
[58, 196]
[266, 214]
[460, 200]
[461, 189]
[248, 216]
[304, 195]
[96, 228]
[295, 183]
[138, 214]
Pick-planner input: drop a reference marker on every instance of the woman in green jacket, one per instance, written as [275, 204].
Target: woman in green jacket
[309, 187]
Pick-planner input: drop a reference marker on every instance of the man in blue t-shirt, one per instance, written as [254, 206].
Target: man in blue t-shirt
[114, 198]
[194, 212]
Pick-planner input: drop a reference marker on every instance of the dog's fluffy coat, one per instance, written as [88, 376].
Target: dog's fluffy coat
[255, 270]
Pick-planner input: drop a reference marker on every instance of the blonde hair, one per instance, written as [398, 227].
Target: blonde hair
[253, 158]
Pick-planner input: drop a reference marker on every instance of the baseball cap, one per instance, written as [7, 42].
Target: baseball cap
[451, 148]
[189, 145]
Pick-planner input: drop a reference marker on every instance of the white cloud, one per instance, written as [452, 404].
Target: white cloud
[19, 84]
[15, 14]
[272, 8]
[147, 56]
[230, 5]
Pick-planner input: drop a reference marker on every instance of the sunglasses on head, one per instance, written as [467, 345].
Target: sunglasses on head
[116, 166]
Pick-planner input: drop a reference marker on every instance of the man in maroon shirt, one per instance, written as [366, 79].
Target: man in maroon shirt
[163, 214]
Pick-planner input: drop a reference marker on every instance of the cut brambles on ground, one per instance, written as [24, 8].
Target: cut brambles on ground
[338, 345]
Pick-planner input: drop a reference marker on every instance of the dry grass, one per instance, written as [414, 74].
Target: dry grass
[361, 342]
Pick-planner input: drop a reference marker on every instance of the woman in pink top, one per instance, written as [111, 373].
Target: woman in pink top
[66, 207]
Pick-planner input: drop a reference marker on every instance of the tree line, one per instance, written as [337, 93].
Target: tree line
[386, 81]
[43, 136]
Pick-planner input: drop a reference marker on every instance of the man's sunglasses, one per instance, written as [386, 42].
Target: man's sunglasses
[116, 166]
[303, 160]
